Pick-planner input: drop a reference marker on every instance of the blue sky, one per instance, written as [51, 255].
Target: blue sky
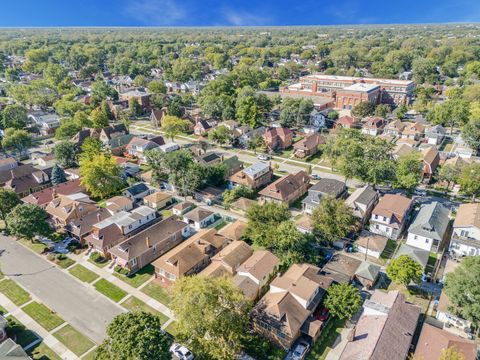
[232, 12]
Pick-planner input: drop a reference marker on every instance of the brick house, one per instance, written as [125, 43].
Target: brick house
[278, 138]
[308, 146]
[287, 189]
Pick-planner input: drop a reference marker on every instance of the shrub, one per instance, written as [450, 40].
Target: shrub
[97, 257]
[121, 270]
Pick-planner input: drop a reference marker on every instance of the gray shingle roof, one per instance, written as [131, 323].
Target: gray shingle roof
[431, 221]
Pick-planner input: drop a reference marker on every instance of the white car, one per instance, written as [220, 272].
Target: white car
[181, 352]
[263, 157]
[299, 352]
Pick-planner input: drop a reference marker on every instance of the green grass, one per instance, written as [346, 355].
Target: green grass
[432, 260]
[327, 338]
[19, 333]
[220, 224]
[14, 292]
[110, 290]
[82, 273]
[135, 304]
[65, 263]
[43, 315]
[90, 355]
[172, 329]
[99, 264]
[389, 249]
[35, 246]
[166, 213]
[140, 277]
[157, 292]
[74, 340]
[3, 311]
[42, 352]
[412, 295]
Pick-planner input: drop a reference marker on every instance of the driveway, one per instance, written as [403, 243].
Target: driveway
[78, 304]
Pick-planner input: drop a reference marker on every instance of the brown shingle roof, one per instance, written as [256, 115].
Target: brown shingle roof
[374, 242]
[44, 196]
[283, 187]
[234, 231]
[260, 264]
[198, 214]
[243, 203]
[157, 197]
[309, 142]
[468, 215]
[393, 205]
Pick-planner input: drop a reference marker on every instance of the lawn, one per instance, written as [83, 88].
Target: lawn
[166, 213]
[90, 356]
[3, 311]
[14, 292]
[432, 260]
[35, 246]
[389, 249]
[157, 292]
[220, 224]
[19, 333]
[100, 264]
[74, 340]
[412, 295]
[110, 290]
[65, 263]
[42, 352]
[82, 273]
[140, 277]
[327, 338]
[135, 304]
[43, 315]
[172, 329]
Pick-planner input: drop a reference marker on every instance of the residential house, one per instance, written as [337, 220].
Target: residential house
[419, 255]
[254, 176]
[119, 203]
[105, 135]
[433, 341]
[201, 128]
[367, 274]
[190, 257]
[304, 224]
[209, 195]
[11, 350]
[385, 329]
[347, 122]
[255, 273]
[158, 200]
[435, 134]
[182, 208]
[227, 260]
[234, 231]
[324, 187]
[209, 158]
[341, 268]
[390, 215]
[371, 244]
[246, 134]
[429, 229]
[233, 165]
[110, 231]
[229, 124]
[24, 179]
[287, 189]
[283, 314]
[199, 218]
[46, 122]
[156, 116]
[466, 231]
[362, 201]
[402, 150]
[241, 205]
[43, 197]
[308, 146]
[46, 161]
[138, 146]
[8, 163]
[140, 94]
[413, 131]
[462, 149]
[118, 145]
[394, 128]
[278, 138]
[64, 209]
[148, 245]
[373, 126]
[430, 161]
[137, 192]
[170, 147]
[80, 228]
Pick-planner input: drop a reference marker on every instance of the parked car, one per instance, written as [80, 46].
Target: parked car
[322, 314]
[299, 351]
[315, 177]
[263, 157]
[181, 352]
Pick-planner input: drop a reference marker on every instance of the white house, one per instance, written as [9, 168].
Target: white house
[129, 221]
[429, 229]
[466, 231]
[390, 215]
[371, 244]
[167, 148]
[435, 134]
[46, 122]
[199, 218]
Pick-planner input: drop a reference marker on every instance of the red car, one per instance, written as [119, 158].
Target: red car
[322, 314]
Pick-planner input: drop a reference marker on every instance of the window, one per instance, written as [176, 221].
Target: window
[426, 241]
[415, 237]
[377, 227]
[133, 262]
[384, 218]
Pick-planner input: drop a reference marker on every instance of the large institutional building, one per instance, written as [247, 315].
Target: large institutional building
[348, 91]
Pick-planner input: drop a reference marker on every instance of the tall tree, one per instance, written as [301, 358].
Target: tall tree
[99, 118]
[173, 126]
[58, 175]
[8, 200]
[471, 133]
[453, 112]
[100, 175]
[449, 173]
[135, 335]
[14, 116]
[221, 135]
[408, 172]
[19, 140]
[404, 270]
[364, 109]
[343, 300]
[469, 180]
[263, 220]
[28, 220]
[211, 316]
[65, 154]
[90, 148]
[332, 219]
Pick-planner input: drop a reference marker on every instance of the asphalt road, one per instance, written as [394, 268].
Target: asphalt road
[78, 304]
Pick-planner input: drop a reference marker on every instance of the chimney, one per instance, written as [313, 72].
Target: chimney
[351, 335]
[98, 217]
[54, 193]
[147, 240]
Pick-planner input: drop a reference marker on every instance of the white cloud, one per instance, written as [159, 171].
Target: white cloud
[156, 12]
[243, 18]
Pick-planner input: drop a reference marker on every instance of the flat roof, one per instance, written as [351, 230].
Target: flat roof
[362, 87]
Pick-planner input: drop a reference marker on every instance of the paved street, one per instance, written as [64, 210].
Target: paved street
[79, 305]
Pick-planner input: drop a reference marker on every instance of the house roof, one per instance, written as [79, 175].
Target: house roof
[243, 203]
[346, 120]
[385, 329]
[43, 197]
[368, 271]
[373, 241]
[431, 156]
[116, 203]
[433, 340]
[230, 257]
[183, 206]
[402, 149]
[137, 189]
[84, 224]
[286, 185]
[259, 264]
[208, 157]
[69, 207]
[364, 196]
[156, 234]
[419, 255]
[198, 214]
[281, 132]
[393, 205]
[329, 187]
[11, 350]
[431, 221]
[468, 215]
[435, 131]
[234, 230]
[256, 168]
[157, 197]
[397, 125]
[309, 142]
[304, 222]
[342, 268]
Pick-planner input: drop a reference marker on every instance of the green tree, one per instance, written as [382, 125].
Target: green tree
[453, 112]
[401, 111]
[255, 142]
[99, 118]
[54, 74]
[19, 140]
[134, 107]
[424, 70]
[90, 148]
[157, 87]
[382, 110]
[173, 126]
[65, 154]
[8, 200]
[471, 133]
[211, 315]
[451, 353]
[176, 107]
[67, 130]
[14, 116]
[100, 175]
[220, 135]
[408, 172]
[332, 219]
[28, 220]
[135, 335]
[229, 196]
[469, 180]
[263, 220]
[404, 270]
[58, 175]
[363, 109]
[449, 173]
[343, 300]
[463, 289]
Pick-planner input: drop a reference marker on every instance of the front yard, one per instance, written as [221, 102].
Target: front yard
[82, 273]
[109, 290]
[19, 333]
[74, 340]
[135, 304]
[42, 352]
[157, 292]
[139, 278]
[43, 315]
[14, 292]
